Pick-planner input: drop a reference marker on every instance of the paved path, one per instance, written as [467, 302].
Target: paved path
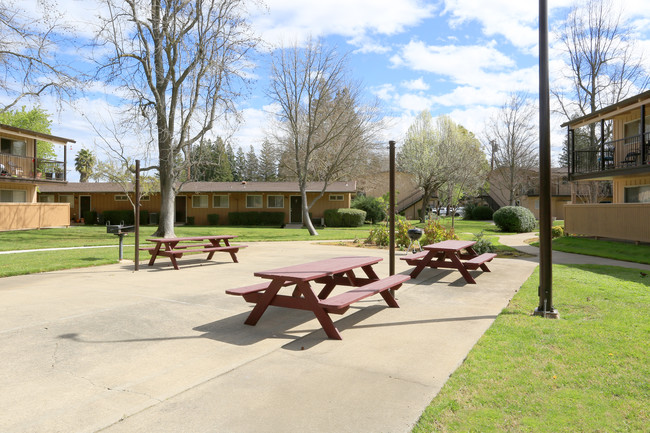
[112, 350]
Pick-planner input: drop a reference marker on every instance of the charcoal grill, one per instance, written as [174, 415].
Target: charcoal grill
[414, 235]
[119, 230]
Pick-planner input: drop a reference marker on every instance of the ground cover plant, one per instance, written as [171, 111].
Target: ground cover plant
[587, 371]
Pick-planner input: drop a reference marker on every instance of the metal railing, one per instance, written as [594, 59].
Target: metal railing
[27, 167]
[626, 152]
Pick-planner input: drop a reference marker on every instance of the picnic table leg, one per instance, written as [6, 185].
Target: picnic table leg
[423, 263]
[215, 243]
[323, 318]
[232, 253]
[263, 302]
[154, 254]
[463, 270]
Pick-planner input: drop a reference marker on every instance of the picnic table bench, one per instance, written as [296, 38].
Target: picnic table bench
[449, 254]
[331, 273]
[175, 247]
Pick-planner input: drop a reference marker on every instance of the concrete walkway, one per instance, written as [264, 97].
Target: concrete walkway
[159, 350]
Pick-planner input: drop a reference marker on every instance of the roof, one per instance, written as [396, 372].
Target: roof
[37, 135]
[610, 111]
[213, 187]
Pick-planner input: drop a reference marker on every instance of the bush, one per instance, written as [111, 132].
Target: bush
[90, 217]
[557, 231]
[144, 217]
[436, 232]
[117, 216]
[190, 221]
[213, 219]
[514, 219]
[344, 217]
[481, 213]
[469, 210]
[378, 236]
[374, 208]
[482, 244]
[256, 218]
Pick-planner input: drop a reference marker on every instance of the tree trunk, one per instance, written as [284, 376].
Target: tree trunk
[306, 221]
[167, 193]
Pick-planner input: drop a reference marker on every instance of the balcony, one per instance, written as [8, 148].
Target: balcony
[622, 155]
[28, 168]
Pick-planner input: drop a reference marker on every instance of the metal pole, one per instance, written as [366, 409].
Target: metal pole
[391, 211]
[602, 144]
[137, 214]
[644, 150]
[545, 307]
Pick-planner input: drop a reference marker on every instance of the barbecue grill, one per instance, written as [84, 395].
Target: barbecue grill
[119, 230]
[414, 235]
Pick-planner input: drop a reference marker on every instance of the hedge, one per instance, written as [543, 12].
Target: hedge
[213, 219]
[344, 217]
[515, 219]
[256, 218]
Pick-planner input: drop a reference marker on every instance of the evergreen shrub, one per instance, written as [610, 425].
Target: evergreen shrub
[516, 219]
[345, 217]
[213, 219]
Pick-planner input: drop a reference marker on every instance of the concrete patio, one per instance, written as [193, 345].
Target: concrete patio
[159, 350]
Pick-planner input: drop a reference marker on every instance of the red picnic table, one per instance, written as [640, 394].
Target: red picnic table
[330, 272]
[175, 247]
[448, 254]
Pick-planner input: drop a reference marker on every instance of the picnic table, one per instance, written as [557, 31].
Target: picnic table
[448, 254]
[175, 247]
[329, 272]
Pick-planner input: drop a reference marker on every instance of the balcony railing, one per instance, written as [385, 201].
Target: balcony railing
[617, 154]
[25, 167]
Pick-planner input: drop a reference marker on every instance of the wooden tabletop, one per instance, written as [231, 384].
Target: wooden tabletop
[449, 245]
[321, 268]
[191, 238]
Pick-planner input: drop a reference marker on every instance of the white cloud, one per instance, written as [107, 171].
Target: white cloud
[414, 103]
[296, 20]
[418, 84]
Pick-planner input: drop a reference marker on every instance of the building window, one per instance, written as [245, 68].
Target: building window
[45, 198]
[637, 194]
[13, 147]
[13, 196]
[67, 199]
[275, 201]
[220, 201]
[336, 197]
[199, 201]
[120, 197]
[145, 198]
[253, 201]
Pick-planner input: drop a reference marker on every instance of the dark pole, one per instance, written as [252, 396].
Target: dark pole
[602, 144]
[644, 151]
[391, 208]
[137, 214]
[545, 307]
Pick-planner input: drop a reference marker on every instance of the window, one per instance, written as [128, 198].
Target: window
[13, 147]
[199, 201]
[637, 194]
[67, 199]
[13, 196]
[275, 201]
[121, 197]
[220, 201]
[145, 198]
[336, 197]
[253, 201]
[45, 198]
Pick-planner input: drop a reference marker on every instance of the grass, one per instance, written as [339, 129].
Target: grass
[587, 372]
[609, 249]
[88, 236]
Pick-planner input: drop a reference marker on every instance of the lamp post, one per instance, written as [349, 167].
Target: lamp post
[545, 307]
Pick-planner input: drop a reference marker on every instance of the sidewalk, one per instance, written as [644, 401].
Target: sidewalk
[159, 350]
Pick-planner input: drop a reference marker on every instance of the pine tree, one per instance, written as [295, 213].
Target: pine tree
[252, 166]
[268, 166]
[240, 165]
[232, 161]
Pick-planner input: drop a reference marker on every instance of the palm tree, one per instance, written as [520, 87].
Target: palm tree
[84, 164]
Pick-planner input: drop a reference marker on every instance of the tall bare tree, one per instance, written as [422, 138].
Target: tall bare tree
[29, 55]
[515, 138]
[179, 65]
[324, 127]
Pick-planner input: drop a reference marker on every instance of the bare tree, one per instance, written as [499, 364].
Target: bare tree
[29, 64]
[177, 64]
[602, 67]
[515, 138]
[324, 128]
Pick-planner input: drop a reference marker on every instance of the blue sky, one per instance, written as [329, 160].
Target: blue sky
[456, 57]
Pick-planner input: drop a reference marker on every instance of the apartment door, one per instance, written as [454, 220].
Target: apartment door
[296, 209]
[181, 209]
[84, 205]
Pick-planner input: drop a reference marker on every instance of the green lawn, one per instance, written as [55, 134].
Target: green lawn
[587, 372]
[85, 236]
[609, 249]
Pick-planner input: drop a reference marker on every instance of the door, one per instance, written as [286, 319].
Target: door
[84, 205]
[296, 209]
[181, 209]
